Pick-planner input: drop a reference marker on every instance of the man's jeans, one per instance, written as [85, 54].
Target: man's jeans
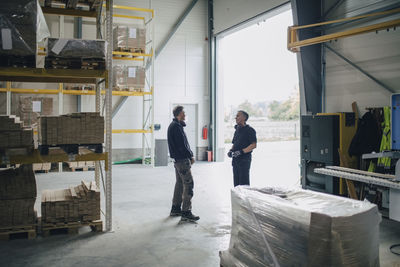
[184, 185]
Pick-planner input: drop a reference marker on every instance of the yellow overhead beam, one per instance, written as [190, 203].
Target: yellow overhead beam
[133, 8]
[36, 157]
[294, 44]
[389, 12]
[51, 75]
[34, 91]
[71, 92]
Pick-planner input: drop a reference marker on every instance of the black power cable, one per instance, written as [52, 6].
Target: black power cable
[392, 247]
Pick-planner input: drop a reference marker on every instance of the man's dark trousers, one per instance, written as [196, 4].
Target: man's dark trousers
[241, 170]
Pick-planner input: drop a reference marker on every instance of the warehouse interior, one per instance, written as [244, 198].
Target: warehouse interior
[88, 89]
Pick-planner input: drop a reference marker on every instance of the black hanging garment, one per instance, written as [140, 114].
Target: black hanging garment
[367, 138]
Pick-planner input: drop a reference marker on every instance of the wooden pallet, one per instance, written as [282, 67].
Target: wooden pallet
[128, 89]
[16, 151]
[71, 148]
[129, 50]
[14, 232]
[17, 61]
[75, 63]
[71, 228]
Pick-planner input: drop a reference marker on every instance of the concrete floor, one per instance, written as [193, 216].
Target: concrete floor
[143, 233]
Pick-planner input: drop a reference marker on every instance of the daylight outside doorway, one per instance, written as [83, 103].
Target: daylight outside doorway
[259, 75]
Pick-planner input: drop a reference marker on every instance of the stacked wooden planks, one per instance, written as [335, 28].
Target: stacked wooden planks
[76, 204]
[13, 134]
[74, 128]
[17, 196]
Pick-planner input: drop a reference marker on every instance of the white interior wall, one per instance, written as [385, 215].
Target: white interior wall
[180, 71]
[229, 13]
[376, 53]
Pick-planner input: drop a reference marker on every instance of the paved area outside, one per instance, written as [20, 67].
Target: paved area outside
[143, 233]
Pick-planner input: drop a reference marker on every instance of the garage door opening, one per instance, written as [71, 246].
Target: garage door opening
[256, 73]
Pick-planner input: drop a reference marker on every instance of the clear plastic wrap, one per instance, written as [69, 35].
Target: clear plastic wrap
[76, 48]
[130, 38]
[276, 227]
[75, 4]
[18, 25]
[75, 54]
[129, 78]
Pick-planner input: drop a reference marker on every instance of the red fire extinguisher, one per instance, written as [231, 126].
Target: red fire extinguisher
[205, 132]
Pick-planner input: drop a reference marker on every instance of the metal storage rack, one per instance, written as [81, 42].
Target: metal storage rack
[78, 76]
[147, 95]
[147, 59]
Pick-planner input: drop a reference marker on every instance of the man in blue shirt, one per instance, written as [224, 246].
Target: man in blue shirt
[180, 151]
[244, 141]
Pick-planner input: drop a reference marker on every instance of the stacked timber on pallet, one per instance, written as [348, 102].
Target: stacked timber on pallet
[76, 204]
[17, 197]
[75, 128]
[13, 135]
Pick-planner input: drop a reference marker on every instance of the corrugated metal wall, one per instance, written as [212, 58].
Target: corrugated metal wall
[376, 53]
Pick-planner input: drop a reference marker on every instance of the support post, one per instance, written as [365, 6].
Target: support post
[108, 122]
[8, 111]
[97, 169]
[60, 112]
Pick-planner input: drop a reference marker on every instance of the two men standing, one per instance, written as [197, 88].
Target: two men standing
[244, 141]
[180, 151]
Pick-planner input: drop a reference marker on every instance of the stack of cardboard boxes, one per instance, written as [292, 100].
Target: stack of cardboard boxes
[76, 128]
[129, 78]
[79, 203]
[131, 39]
[17, 196]
[13, 134]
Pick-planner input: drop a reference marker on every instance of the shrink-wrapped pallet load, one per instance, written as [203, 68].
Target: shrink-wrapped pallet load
[75, 54]
[74, 4]
[277, 227]
[22, 26]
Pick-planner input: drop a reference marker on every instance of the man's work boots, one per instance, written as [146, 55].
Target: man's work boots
[175, 211]
[188, 216]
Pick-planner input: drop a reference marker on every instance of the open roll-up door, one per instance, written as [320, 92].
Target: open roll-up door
[230, 13]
